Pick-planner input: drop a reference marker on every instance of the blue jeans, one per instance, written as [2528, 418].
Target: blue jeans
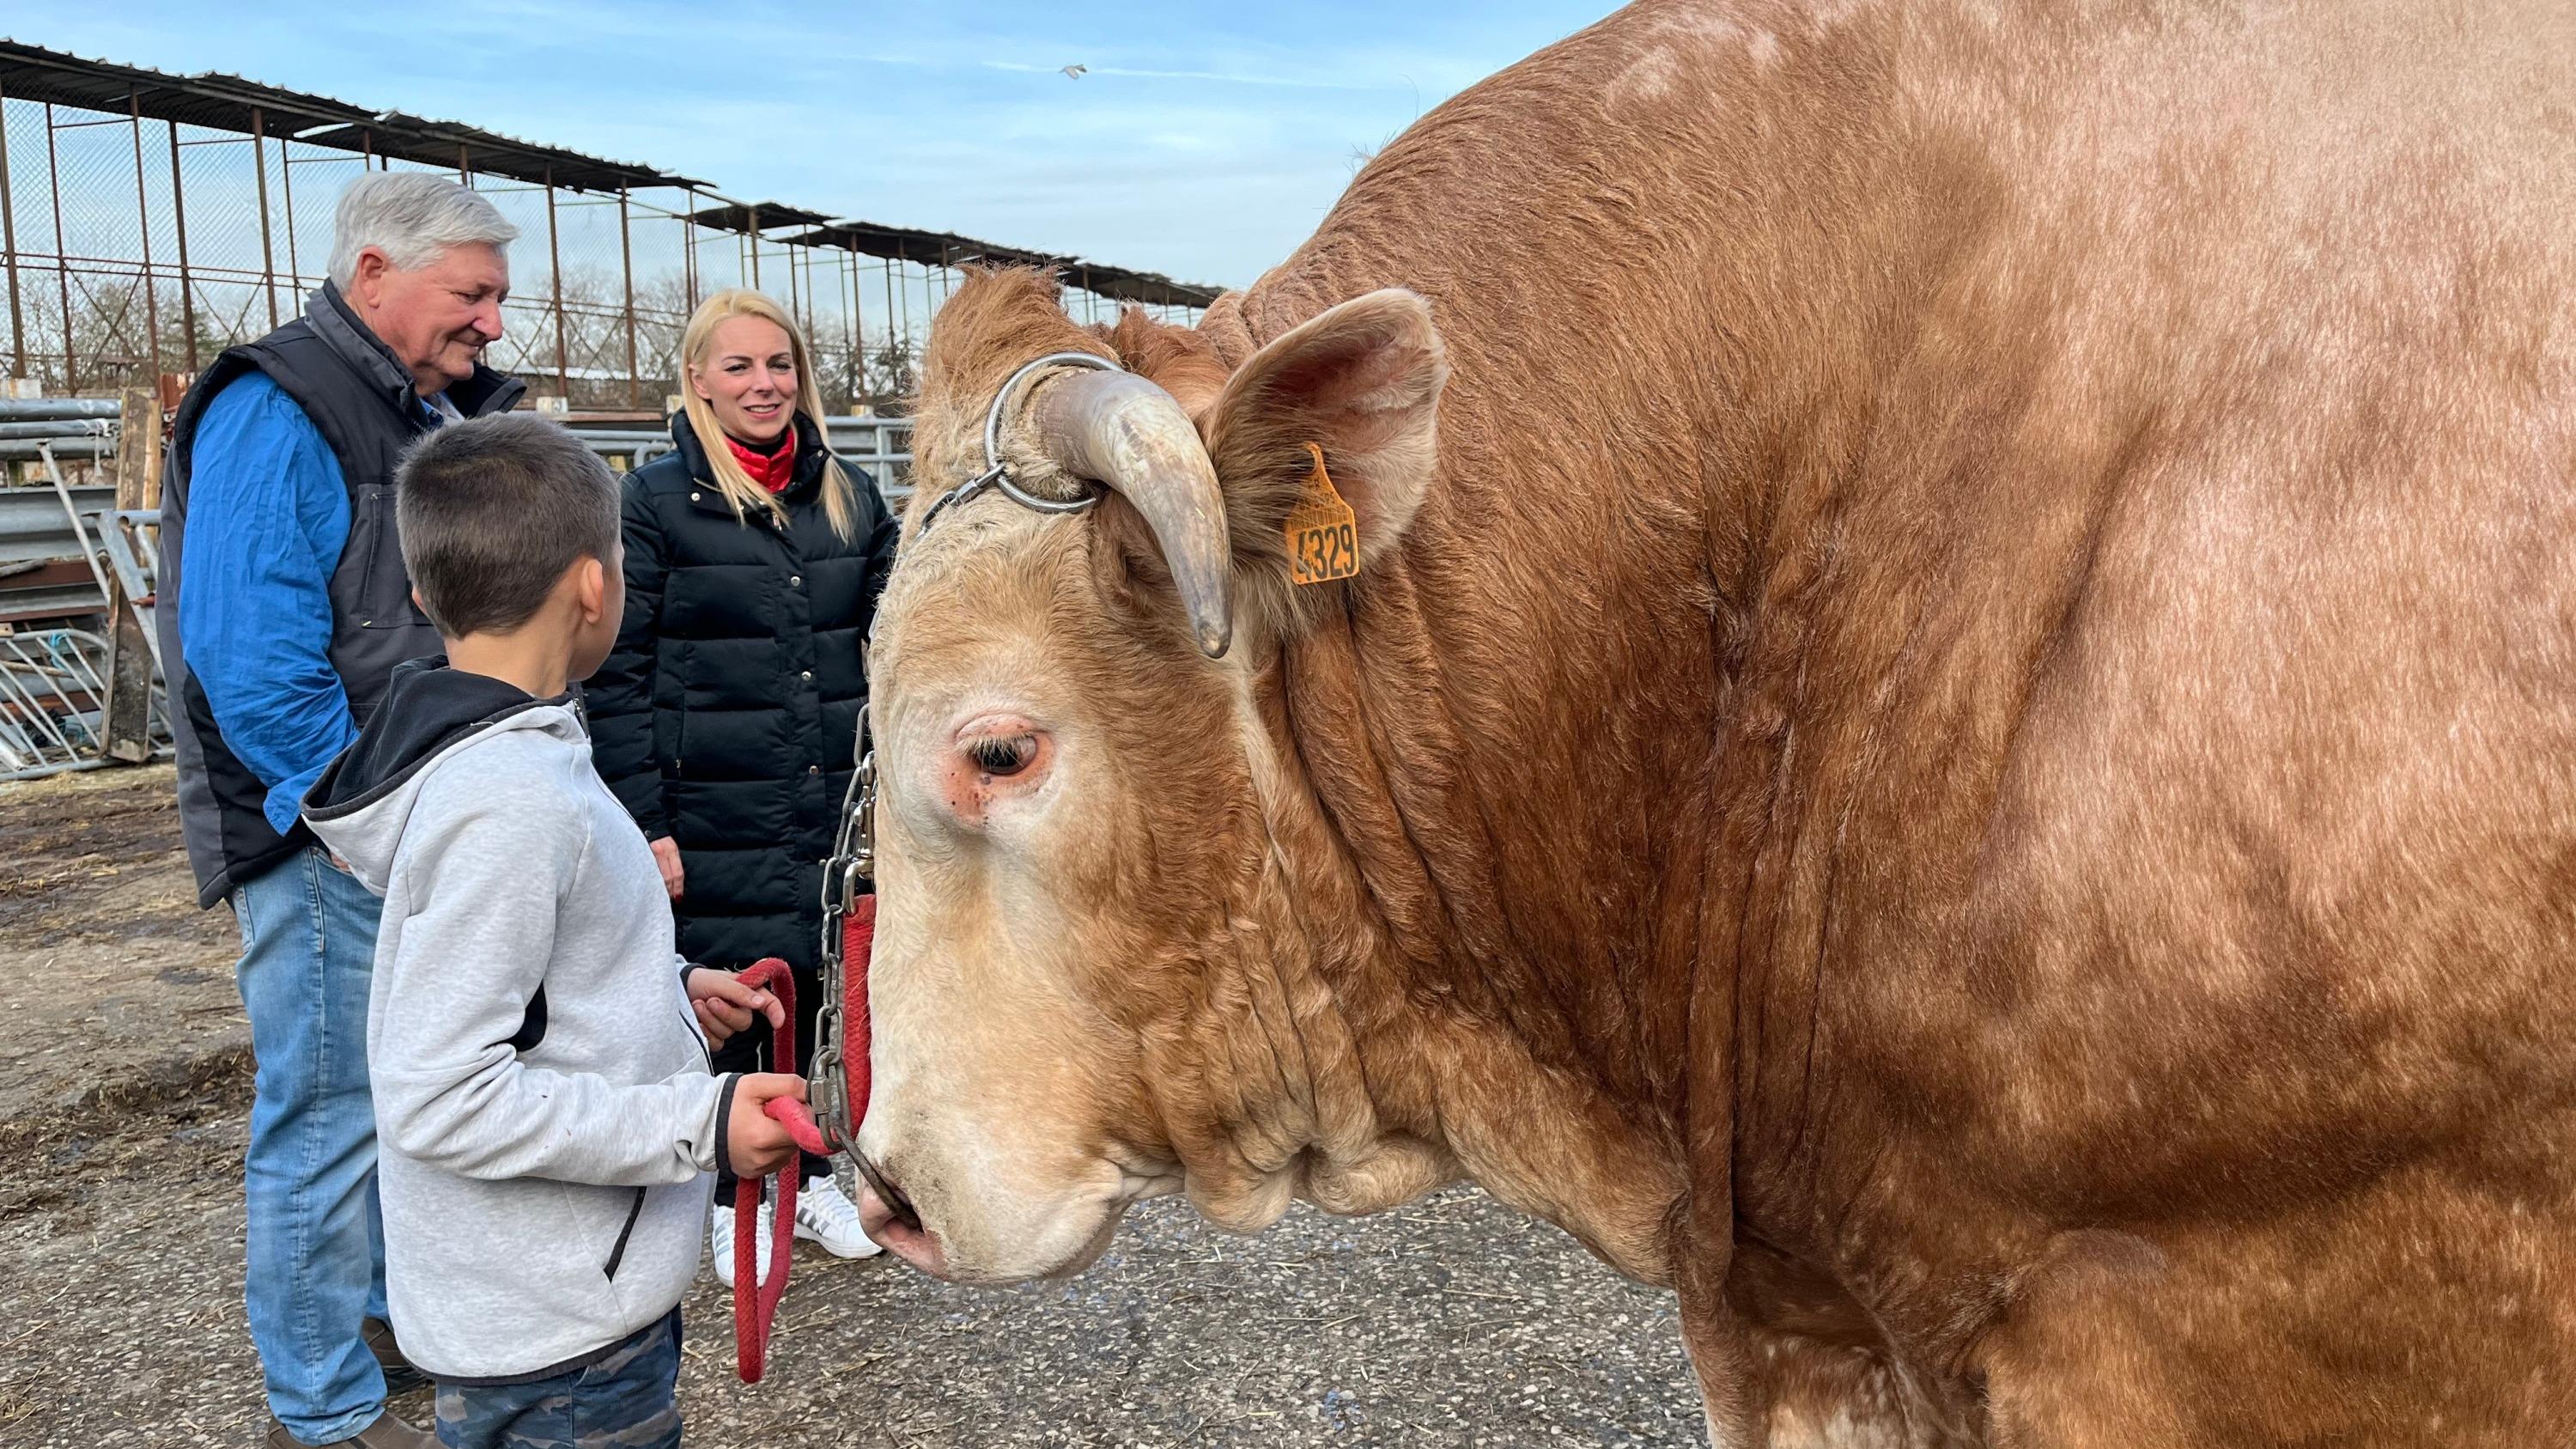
[626, 1399]
[316, 1236]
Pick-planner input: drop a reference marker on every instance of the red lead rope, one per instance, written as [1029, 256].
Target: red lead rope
[755, 1303]
[858, 947]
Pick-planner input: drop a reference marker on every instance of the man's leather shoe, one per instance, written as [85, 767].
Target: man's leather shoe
[400, 1376]
[387, 1432]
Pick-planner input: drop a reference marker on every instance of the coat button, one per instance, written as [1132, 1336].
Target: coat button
[806, 674]
[813, 769]
[796, 581]
[694, 497]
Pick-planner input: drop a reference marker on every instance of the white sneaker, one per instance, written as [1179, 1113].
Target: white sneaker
[721, 1238]
[826, 1217]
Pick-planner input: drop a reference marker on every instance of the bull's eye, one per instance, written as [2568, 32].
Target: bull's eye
[1003, 755]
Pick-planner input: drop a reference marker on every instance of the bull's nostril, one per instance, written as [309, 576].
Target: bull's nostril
[887, 1193]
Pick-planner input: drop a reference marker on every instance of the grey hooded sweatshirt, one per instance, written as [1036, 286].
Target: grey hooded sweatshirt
[545, 1118]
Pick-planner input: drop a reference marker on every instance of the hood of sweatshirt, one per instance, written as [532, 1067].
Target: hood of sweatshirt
[429, 712]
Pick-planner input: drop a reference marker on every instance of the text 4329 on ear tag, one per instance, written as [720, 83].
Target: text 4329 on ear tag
[1323, 532]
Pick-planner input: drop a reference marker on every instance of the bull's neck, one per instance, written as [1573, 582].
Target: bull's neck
[1526, 756]
[1415, 1039]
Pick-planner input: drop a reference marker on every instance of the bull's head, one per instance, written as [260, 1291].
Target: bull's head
[1090, 982]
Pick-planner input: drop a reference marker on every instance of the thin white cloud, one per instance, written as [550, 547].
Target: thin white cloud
[1230, 77]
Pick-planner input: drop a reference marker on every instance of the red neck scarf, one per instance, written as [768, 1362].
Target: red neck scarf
[773, 470]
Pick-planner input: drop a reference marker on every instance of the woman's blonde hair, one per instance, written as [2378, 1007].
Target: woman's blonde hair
[840, 507]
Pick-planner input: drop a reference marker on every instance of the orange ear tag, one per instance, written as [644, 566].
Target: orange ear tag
[1323, 532]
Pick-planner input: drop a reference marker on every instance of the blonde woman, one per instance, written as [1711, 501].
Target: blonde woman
[724, 719]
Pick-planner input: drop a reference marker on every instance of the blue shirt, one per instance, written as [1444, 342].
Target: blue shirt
[268, 514]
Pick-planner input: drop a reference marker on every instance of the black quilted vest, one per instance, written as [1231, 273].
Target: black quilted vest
[361, 399]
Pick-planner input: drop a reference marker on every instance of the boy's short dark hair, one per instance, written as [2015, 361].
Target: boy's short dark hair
[492, 511]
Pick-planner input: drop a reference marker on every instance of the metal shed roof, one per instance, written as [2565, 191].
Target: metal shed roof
[230, 103]
[247, 107]
[755, 217]
[944, 248]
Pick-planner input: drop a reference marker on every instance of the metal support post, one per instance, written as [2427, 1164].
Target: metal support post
[9, 243]
[554, 256]
[62, 260]
[143, 208]
[179, 217]
[267, 257]
[626, 261]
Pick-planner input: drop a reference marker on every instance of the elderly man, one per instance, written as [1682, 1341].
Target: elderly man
[284, 606]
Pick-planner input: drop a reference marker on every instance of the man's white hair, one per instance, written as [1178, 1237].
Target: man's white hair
[411, 216]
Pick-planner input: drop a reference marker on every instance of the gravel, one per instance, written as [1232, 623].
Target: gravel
[1452, 1322]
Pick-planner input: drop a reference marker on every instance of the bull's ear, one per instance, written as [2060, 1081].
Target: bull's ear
[1360, 382]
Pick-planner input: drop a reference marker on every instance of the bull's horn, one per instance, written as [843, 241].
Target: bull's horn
[1131, 436]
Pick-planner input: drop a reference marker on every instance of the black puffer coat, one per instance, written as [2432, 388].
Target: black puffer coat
[725, 716]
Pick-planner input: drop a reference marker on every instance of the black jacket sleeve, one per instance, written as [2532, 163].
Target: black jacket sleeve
[620, 695]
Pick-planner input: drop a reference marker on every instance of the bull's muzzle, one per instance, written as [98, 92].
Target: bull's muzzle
[889, 1218]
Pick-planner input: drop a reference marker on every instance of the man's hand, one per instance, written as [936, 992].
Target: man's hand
[757, 1144]
[666, 854]
[725, 1005]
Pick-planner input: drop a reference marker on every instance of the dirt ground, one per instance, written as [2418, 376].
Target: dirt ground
[124, 1094]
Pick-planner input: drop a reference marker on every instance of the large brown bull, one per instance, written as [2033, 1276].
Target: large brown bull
[1955, 734]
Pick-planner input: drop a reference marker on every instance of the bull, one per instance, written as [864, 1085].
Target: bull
[1936, 705]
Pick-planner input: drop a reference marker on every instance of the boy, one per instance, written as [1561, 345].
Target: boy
[546, 1118]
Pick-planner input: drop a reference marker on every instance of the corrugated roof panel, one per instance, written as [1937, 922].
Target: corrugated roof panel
[231, 103]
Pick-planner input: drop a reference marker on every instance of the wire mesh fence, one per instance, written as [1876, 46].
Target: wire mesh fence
[136, 247]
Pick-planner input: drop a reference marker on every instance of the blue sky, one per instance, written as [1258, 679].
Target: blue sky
[1204, 140]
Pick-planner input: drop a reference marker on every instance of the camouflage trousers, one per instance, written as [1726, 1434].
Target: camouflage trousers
[626, 1399]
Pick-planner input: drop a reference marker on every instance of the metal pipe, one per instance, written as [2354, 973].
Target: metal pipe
[626, 262]
[855, 437]
[9, 243]
[62, 264]
[859, 333]
[34, 718]
[179, 216]
[792, 312]
[31, 521]
[554, 259]
[286, 188]
[56, 662]
[41, 771]
[61, 428]
[80, 531]
[887, 267]
[839, 431]
[46, 409]
[143, 210]
[689, 243]
[267, 257]
[32, 450]
[863, 438]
